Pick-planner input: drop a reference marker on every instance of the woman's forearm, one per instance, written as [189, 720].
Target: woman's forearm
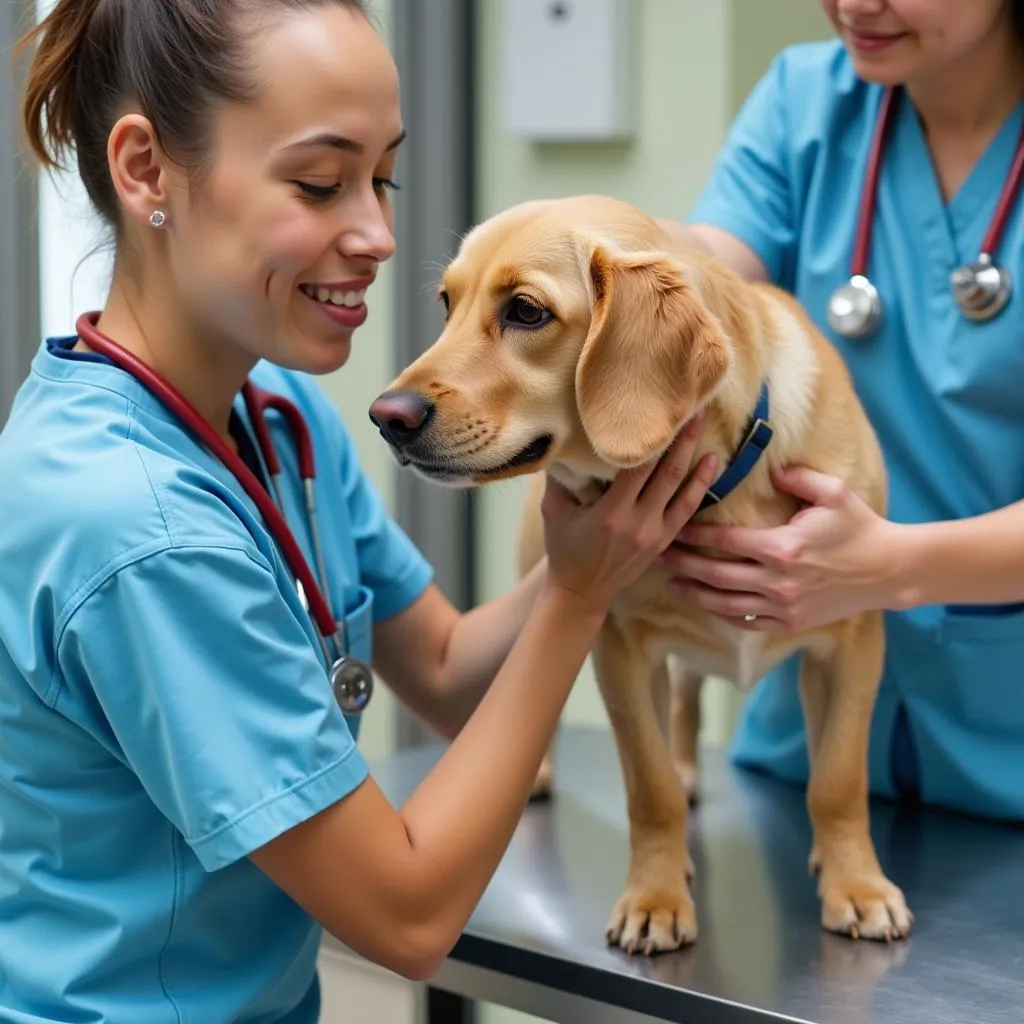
[461, 817]
[723, 246]
[423, 868]
[478, 646]
[965, 561]
[421, 871]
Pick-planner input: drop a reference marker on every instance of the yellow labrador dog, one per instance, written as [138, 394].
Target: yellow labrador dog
[580, 339]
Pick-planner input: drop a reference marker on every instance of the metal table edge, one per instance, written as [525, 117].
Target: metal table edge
[646, 996]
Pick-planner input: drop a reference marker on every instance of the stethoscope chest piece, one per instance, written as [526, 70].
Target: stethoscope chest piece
[352, 683]
[981, 288]
[854, 308]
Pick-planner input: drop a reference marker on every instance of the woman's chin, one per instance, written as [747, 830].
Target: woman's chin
[315, 356]
[327, 358]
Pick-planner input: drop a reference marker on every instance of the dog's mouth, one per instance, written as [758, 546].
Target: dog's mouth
[452, 471]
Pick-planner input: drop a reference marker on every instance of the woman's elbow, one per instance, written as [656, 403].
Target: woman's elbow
[423, 948]
[414, 952]
[422, 969]
[683, 234]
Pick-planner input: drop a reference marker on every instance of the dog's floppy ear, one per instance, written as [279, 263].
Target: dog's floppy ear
[653, 354]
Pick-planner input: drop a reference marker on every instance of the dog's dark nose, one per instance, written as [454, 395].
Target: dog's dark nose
[400, 416]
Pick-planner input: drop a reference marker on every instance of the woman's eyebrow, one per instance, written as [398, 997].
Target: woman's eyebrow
[341, 142]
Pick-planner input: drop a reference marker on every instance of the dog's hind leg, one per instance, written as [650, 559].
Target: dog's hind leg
[684, 688]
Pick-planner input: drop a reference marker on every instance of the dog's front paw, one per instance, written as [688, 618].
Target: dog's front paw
[653, 919]
[863, 905]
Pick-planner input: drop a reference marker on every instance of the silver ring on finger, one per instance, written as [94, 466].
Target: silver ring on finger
[750, 617]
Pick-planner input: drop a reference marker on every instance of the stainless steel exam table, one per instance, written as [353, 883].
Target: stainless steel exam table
[535, 942]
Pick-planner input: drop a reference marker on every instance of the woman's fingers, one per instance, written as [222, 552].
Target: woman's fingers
[630, 484]
[558, 500]
[688, 498]
[718, 572]
[752, 542]
[673, 468]
[729, 604]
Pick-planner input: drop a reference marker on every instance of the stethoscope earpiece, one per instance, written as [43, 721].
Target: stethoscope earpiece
[981, 289]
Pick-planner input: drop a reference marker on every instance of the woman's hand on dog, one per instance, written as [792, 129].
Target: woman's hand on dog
[834, 558]
[596, 551]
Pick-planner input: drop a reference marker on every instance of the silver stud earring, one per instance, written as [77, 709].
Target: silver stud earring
[158, 218]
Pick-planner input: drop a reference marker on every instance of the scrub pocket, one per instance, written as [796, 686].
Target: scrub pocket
[358, 621]
[358, 635]
[983, 648]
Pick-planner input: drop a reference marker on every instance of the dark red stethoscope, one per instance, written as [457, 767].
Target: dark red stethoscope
[351, 678]
[980, 288]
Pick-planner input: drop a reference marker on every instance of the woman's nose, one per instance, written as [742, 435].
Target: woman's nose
[370, 232]
[860, 8]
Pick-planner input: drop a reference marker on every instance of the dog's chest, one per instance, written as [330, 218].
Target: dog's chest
[740, 656]
[708, 645]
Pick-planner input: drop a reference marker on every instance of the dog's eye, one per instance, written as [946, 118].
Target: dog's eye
[521, 312]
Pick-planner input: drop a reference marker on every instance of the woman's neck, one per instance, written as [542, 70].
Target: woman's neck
[972, 97]
[207, 374]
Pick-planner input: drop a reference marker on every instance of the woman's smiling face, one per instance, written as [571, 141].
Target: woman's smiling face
[275, 245]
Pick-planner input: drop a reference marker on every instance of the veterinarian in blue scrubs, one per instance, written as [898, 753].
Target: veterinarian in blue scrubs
[182, 803]
[944, 392]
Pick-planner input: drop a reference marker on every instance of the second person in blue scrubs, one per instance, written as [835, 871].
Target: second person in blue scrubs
[946, 395]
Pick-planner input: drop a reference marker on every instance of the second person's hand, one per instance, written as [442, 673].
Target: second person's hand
[596, 551]
[835, 558]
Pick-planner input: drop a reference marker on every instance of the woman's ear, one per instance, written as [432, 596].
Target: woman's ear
[138, 167]
[653, 355]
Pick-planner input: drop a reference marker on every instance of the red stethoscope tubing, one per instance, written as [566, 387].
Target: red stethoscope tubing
[255, 400]
[883, 125]
[260, 400]
[1010, 187]
[866, 217]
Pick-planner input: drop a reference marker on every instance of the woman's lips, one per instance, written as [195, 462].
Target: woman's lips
[871, 42]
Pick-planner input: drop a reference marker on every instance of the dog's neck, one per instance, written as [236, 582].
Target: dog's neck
[745, 440]
[586, 487]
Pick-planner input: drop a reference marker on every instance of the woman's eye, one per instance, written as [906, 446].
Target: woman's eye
[522, 312]
[318, 191]
[329, 191]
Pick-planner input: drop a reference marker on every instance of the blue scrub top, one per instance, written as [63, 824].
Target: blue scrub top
[944, 394]
[164, 708]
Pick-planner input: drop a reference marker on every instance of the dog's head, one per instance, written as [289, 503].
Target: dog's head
[572, 336]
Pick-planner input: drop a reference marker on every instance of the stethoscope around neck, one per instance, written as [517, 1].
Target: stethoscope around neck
[351, 678]
[981, 288]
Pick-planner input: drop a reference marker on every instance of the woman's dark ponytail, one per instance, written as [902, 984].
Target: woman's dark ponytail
[48, 110]
[171, 60]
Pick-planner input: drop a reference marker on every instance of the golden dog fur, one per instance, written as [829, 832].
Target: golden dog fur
[627, 336]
